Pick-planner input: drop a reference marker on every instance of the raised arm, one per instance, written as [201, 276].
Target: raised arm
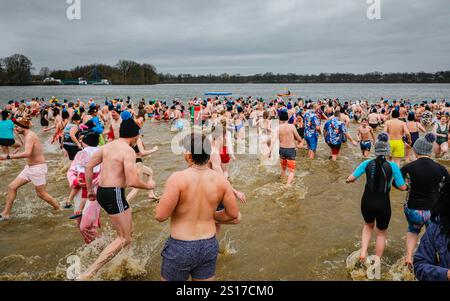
[143, 151]
[231, 212]
[29, 144]
[169, 199]
[96, 159]
[296, 135]
[131, 173]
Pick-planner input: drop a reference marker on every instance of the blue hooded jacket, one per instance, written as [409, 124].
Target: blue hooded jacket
[432, 259]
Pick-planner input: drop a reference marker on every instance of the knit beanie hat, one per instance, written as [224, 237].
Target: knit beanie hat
[424, 145]
[382, 147]
[128, 128]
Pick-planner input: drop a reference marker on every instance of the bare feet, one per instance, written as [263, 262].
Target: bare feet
[4, 218]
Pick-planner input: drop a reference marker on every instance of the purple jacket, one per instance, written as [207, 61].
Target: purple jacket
[432, 259]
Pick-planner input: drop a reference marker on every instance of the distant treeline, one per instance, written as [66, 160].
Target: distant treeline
[291, 78]
[16, 70]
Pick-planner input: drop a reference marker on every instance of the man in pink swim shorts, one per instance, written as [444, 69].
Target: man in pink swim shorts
[35, 171]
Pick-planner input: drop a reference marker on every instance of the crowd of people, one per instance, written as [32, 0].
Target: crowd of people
[104, 145]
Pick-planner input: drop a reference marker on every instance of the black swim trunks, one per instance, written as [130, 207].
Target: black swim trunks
[288, 153]
[112, 200]
[182, 259]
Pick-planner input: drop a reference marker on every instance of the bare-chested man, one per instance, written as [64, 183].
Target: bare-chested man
[374, 119]
[118, 171]
[288, 136]
[35, 171]
[366, 137]
[190, 200]
[397, 129]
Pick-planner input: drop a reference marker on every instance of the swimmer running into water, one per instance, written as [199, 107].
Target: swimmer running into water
[366, 137]
[35, 171]
[288, 136]
[190, 200]
[376, 204]
[118, 161]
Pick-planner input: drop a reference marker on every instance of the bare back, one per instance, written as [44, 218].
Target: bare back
[113, 159]
[396, 129]
[195, 195]
[288, 135]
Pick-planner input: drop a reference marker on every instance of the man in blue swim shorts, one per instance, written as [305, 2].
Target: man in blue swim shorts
[190, 200]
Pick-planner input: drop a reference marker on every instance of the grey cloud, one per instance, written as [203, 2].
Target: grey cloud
[235, 36]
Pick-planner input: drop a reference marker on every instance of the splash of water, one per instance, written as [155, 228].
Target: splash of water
[400, 272]
[226, 247]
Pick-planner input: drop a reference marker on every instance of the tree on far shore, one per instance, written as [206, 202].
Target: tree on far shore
[16, 70]
[45, 72]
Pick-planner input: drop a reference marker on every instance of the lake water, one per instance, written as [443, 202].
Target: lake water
[303, 233]
[370, 92]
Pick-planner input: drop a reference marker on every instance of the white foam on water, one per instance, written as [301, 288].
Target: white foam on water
[400, 272]
[130, 263]
[226, 247]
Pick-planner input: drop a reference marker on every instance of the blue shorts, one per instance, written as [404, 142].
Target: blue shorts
[182, 259]
[416, 219]
[179, 125]
[366, 145]
[312, 142]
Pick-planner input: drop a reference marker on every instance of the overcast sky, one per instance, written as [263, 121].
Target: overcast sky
[233, 36]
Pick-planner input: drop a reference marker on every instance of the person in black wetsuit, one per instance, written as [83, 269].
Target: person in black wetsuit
[376, 204]
[44, 117]
[426, 180]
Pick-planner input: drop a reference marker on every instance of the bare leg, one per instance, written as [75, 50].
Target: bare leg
[283, 171]
[365, 240]
[381, 243]
[444, 148]
[73, 193]
[411, 241]
[149, 172]
[43, 194]
[397, 161]
[225, 168]
[123, 225]
[290, 179]
[132, 194]
[12, 193]
[437, 150]
[311, 154]
[5, 150]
